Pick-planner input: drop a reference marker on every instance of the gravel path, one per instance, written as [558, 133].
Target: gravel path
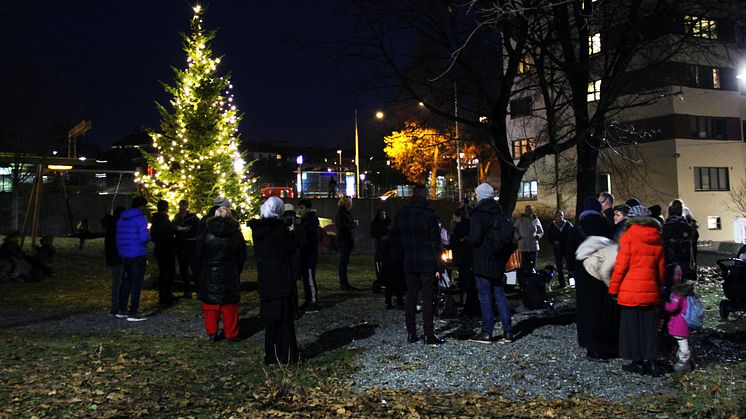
[545, 361]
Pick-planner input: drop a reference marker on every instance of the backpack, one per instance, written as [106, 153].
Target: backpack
[499, 238]
[695, 312]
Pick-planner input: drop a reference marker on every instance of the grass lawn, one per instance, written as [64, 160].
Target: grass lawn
[129, 374]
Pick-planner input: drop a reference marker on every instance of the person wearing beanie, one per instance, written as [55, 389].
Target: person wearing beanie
[596, 312]
[488, 269]
[632, 202]
[222, 201]
[635, 283]
[680, 236]
[484, 191]
[655, 212]
[274, 246]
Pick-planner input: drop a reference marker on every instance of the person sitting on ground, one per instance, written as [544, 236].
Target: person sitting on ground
[220, 256]
[41, 261]
[11, 253]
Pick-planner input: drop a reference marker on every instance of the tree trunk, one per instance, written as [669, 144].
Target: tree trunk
[434, 175]
[510, 182]
[586, 175]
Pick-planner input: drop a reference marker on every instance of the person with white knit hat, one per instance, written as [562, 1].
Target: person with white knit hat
[488, 270]
[274, 245]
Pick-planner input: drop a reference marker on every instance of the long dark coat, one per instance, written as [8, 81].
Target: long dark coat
[345, 227]
[220, 256]
[416, 229]
[597, 313]
[274, 246]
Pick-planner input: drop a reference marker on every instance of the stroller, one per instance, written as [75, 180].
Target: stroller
[733, 271]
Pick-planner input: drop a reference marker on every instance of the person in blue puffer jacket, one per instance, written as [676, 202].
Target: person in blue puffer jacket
[132, 243]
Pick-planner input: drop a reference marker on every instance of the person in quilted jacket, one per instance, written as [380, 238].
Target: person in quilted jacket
[220, 256]
[636, 283]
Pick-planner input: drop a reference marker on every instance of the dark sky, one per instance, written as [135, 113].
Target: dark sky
[108, 57]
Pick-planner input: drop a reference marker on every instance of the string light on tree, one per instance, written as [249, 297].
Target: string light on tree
[196, 155]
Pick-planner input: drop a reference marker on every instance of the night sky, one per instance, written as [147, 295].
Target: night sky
[106, 59]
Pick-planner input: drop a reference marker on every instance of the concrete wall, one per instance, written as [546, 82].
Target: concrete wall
[54, 219]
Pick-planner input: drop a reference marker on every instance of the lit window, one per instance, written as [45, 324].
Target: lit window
[701, 27]
[526, 64]
[528, 190]
[594, 43]
[713, 222]
[716, 78]
[594, 91]
[522, 146]
[711, 179]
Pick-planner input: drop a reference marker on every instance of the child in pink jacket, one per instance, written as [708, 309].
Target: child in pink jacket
[677, 326]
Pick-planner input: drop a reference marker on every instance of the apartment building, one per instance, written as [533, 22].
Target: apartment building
[687, 144]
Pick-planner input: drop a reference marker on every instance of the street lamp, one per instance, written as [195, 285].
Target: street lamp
[299, 176]
[339, 177]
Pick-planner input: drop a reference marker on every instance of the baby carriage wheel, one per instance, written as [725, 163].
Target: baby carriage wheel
[724, 309]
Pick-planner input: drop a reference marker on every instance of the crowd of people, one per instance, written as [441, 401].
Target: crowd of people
[631, 268]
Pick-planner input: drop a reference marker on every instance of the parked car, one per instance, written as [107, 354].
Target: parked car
[278, 191]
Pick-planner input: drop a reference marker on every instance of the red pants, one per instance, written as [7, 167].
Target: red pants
[229, 314]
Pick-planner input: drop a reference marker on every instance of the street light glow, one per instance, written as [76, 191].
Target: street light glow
[379, 114]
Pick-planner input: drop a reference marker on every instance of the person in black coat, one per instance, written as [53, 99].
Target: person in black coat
[187, 233]
[162, 234]
[463, 258]
[390, 257]
[379, 228]
[557, 234]
[113, 260]
[274, 245]
[345, 239]
[309, 254]
[416, 230]
[489, 269]
[220, 256]
[597, 314]
[680, 238]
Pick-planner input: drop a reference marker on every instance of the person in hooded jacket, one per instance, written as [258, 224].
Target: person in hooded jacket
[220, 256]
[132, 239]
[489, 269]
[274, 245]
[113, 260]
[636, 283]
[597, 314]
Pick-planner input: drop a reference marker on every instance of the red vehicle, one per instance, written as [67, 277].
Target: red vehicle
[278, 191]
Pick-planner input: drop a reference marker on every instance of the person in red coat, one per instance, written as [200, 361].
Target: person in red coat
[636, 283]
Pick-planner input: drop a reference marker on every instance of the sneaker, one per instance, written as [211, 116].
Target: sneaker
[508, 337]
[682, 367]
[121, 316]
[136, 318]
[481, 337]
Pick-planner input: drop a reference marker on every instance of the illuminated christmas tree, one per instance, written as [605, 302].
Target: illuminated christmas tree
[196, 151]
